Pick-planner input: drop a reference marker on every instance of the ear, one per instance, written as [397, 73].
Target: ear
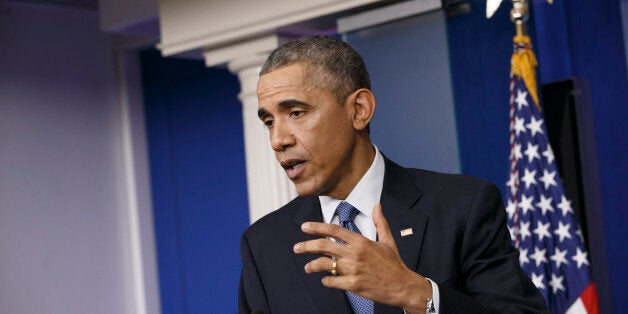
[363, 102]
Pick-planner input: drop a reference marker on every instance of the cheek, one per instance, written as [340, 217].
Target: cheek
[329, 148]
[326, 137]
[321, 140]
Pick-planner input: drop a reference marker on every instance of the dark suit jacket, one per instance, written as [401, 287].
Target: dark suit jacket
[460, 240]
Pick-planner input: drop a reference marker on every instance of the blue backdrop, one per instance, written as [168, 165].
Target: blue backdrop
[196, 152]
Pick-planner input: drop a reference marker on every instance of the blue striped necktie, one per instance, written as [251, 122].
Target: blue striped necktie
[346, 214]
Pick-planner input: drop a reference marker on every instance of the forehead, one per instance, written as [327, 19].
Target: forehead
[286, 80]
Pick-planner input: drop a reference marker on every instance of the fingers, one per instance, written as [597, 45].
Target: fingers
[323, 264]
[340, 277]
[381, 224]
[322, 246]
[334, 282]
[330, 230]
[348, 283]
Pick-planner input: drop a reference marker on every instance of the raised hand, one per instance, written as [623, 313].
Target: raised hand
[373, 270]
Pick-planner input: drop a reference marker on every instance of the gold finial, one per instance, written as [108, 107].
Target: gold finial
[520, 5]
[519, 15]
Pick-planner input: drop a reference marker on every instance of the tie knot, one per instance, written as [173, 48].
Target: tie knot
[346, 212]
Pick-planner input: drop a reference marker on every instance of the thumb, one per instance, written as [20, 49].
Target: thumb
[383, 230]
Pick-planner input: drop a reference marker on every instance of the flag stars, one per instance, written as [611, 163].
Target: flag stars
[580, 235]
[542, 231]
[557, 283]
[538, 280]
[519, 127]
[513, 182]
[580, 258]
[548, 178]
[541, 218]
[521, 99]
[565, 205]
[523, 257]
[524, 231]
[562, 231]
[516, 151]
[526, 204]
[549, 154]
[539, 256]
[510, 208]
[529, 177]
[532, 152]
[559, 257]
[535, 126]
[545, 204]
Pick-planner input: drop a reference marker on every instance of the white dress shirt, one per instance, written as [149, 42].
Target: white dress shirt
[364, 196]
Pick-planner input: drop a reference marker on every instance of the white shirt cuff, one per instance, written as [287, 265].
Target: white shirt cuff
[435, 295]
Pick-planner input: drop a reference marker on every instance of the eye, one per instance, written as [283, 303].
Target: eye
[297, 113]
[268, 122]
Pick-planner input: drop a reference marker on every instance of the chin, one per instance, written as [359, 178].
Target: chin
[304, 189]
[306, 192]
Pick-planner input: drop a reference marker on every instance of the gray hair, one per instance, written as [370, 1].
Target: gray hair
[331, 64]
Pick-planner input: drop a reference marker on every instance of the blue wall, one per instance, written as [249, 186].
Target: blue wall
[414, 123]
[196, 152]
[480, 52]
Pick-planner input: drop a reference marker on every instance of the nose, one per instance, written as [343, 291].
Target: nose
[281, 137]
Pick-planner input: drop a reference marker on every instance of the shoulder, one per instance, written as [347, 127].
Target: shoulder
[446, 186]
[445, 195]
[276, 221]
[459, 199]
[273, 235]
[433, 182]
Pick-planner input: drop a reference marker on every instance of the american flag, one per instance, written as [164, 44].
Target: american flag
[541, 219]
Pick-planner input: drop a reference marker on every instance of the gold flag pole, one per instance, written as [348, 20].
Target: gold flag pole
[523, 62]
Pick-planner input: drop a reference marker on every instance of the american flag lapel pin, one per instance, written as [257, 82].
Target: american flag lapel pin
[406, 232]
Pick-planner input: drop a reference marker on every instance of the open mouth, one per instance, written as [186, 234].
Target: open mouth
[293, 167]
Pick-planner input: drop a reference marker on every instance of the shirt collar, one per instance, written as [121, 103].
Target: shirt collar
[364, 196]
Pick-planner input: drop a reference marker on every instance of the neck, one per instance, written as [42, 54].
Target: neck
[361, 160]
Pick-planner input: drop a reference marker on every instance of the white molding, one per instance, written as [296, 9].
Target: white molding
[386, 14]
[136, 185]
[240, 51]
[175, 41]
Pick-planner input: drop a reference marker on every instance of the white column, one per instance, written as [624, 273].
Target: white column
[268, 186]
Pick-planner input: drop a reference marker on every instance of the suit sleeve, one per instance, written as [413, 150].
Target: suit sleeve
[492, 278]
[251, 294]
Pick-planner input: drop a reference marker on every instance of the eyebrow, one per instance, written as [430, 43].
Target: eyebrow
[288, 103]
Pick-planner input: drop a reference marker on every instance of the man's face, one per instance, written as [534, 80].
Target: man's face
[311, 133]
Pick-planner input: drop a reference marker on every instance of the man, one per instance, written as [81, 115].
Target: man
[334, 249]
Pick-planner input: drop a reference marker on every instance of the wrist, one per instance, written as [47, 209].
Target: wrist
[418, 295]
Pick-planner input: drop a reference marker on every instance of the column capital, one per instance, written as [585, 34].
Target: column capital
[244, 53]
[247, 69]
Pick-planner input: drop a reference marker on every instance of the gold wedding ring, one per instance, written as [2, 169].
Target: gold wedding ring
[333, 268]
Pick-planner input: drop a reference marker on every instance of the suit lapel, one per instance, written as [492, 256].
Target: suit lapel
[399, 200]
[327, 300]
